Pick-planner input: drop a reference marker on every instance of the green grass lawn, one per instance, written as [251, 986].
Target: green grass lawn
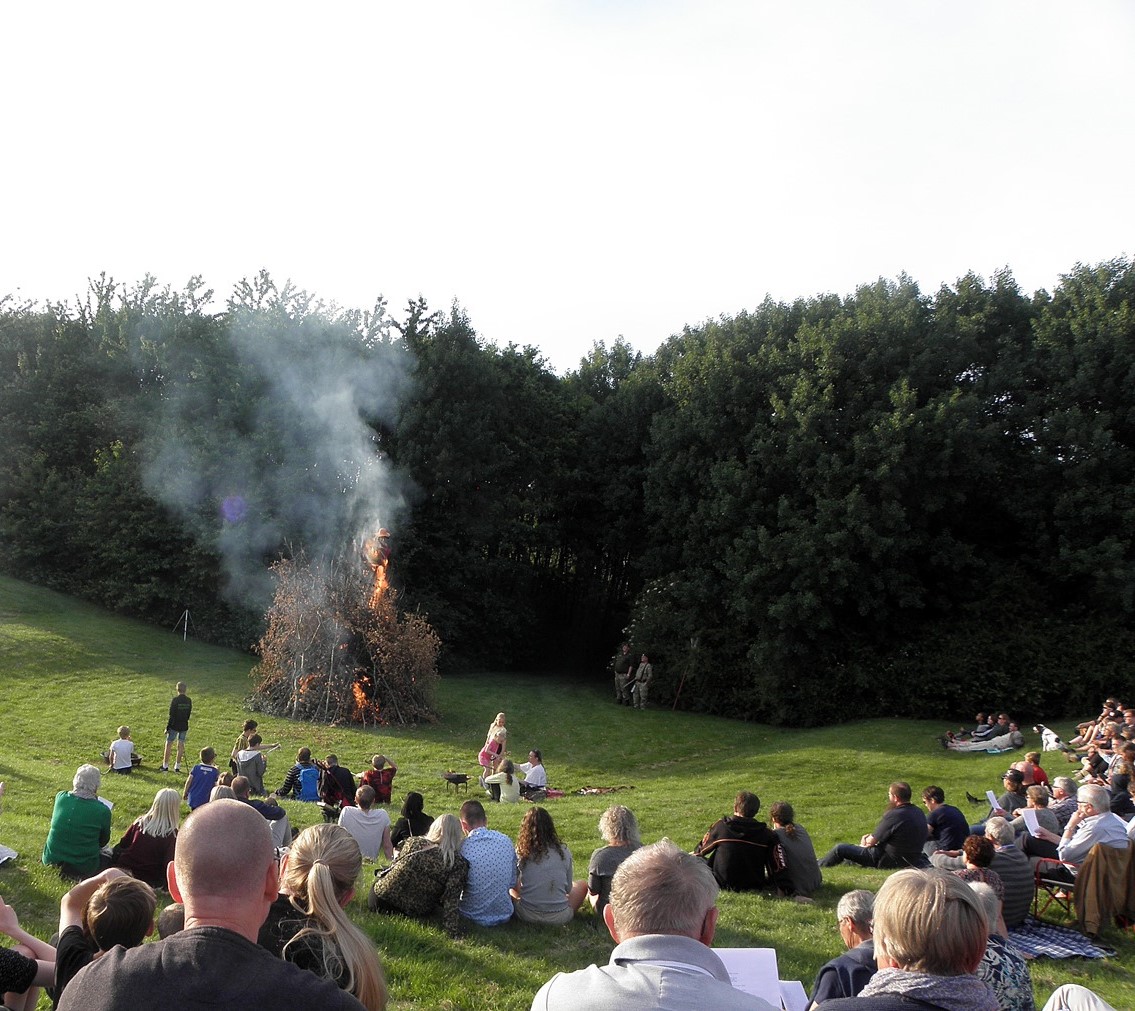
[71, 674]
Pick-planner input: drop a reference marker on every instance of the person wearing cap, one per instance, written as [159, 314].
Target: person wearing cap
[743, 853]
[1012, 800]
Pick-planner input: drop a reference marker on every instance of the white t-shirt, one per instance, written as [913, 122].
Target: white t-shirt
[120, 752]
[367, 827]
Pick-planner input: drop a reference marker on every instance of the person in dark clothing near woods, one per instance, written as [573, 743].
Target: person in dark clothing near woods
[743, 853]
[177, 727]
[896, 841]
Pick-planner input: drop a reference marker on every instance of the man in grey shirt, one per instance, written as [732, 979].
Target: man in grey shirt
[662, 917]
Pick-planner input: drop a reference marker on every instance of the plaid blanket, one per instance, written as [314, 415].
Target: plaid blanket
[1038, 939]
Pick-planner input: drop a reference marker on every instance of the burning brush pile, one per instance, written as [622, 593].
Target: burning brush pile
[336, 649]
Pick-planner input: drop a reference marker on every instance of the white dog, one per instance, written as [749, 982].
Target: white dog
[1050, 739]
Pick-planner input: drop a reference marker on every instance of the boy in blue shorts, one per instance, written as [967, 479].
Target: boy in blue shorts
[177, 727]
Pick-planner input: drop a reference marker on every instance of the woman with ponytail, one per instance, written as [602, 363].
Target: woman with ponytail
[308, 925]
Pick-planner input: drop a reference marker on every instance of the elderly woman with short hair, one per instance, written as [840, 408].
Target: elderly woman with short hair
[846, 975]
[80, 827]
[930, 936]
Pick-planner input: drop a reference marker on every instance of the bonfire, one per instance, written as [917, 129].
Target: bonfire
[336, 649]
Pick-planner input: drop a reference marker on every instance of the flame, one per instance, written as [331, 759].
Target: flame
[376, 552]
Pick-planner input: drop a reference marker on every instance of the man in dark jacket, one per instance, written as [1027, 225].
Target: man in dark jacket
[896, 841]
[743, 853]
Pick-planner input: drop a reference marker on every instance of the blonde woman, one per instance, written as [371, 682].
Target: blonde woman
[619, 829]
[147, 847]
[430, 872]
[496, 740]
[307, 925]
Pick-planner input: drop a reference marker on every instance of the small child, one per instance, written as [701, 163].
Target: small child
[120, 754]
[109, 909]
[202, 778]
[380, 778]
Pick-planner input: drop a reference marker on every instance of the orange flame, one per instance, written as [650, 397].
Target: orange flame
[376, 552]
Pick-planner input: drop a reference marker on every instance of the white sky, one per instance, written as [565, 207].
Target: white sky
[569, 172]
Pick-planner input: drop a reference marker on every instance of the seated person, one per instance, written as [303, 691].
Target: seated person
[202, 778]
[896, 841]
[25, 968]
[302, 781]
[120, 754]
[1030, 768]
[504, 785]
[1003, 741]
[147, 847]
[414, 820]
[380, 778]
[1036, 801]
[662, 917]
[979, 853]
[743, 853]
[1093, 766]
[270, 808]
[802, 873]
[336, 785]
[946, 825]
[369, 825]
[109, 909]
[930, 936]
[847, 974]
[492, 869]
[535, 778]
[1002, 966]
[544, 892]
[1092, 824]
[80, 827]
[1010, 864]
[252, 764]
[428, 876]
[1012, 800]
[619, 829]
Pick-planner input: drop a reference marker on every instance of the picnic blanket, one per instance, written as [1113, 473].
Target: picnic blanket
[1038, 939]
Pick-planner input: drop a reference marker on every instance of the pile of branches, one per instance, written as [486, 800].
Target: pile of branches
[332, 654]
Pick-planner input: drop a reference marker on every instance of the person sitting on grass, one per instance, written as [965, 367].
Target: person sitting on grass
[308, 922]
[24, 968]
[120, 754]
[428, 876]
[743, 853]
[662, 917]
[896, 841]
[414, 820]
[1009, 863]
[1031, 770]
[1008, 736]
[302, 780]
[338, 784]
[535, 778]
[252, 763]
[544, 892]
[1002, 966]
[619, 829]
[946, 825]
[504, 785]
[492, 869]
[80, 827]
[930, 935]
[802, 870]
[380, 778]
[202, 779]
[369, 825]
[847, 974]
[109, 909]
[270, 809]
[147, 847]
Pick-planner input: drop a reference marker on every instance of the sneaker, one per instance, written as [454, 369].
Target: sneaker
[803, 900]
[177, 768]
[164, 768]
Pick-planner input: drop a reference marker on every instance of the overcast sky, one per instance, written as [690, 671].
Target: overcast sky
[568, 172]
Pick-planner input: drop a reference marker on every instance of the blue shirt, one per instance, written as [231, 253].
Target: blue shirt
[204, 779]
[492, 872]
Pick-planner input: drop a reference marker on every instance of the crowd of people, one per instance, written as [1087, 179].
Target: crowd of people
[264, 913]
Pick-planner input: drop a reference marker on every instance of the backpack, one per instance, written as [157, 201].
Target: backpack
[309, 783]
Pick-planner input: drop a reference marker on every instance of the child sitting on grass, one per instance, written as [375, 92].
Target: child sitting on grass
[110, 908]
[202, 779]
[380, 778]
[120, 754]
[24, 968]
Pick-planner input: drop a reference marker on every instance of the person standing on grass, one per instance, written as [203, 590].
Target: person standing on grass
[177, 727]
[640, 690]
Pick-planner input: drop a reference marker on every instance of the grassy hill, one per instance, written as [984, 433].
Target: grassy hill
[71, 674]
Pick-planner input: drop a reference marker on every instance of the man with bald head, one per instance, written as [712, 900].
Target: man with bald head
[224, 872]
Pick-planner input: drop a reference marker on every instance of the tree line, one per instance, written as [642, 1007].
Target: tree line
[881, 503]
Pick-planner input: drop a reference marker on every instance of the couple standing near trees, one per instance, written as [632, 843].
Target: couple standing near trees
[632, 685]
